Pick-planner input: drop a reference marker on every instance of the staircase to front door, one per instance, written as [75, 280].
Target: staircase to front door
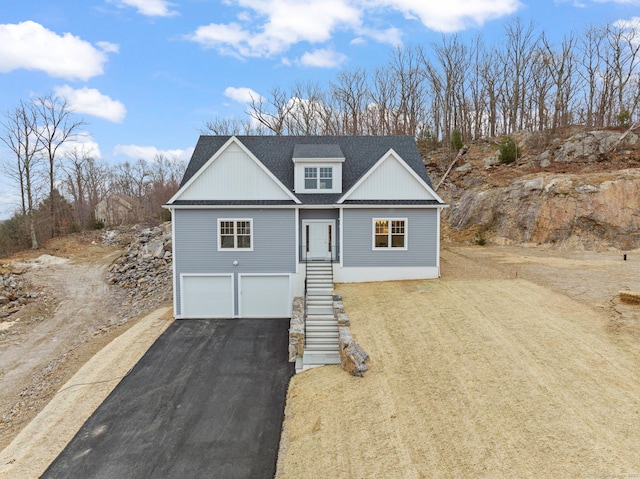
[321, 338]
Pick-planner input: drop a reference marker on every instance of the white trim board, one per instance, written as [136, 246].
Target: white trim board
[379, 273]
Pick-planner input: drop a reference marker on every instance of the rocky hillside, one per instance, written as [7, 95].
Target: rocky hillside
[579, 188]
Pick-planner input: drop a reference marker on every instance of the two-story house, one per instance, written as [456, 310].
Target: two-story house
[253, 211]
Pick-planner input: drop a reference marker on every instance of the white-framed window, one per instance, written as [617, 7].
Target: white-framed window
[318, 177]
[389, 233]
[235, 234]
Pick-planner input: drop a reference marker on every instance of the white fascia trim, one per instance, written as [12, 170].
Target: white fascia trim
[341, 226]
[217, 154]
[384, 158]
[230, 207]
[378, 273]
[394, 206]
[173, 265]
[297, 252]
[318, 160]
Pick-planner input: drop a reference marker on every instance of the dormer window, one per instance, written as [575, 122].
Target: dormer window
[318, 178]
[318, 168]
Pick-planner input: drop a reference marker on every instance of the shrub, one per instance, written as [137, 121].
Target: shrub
[509, 150]
[624, 118]
[456, 140]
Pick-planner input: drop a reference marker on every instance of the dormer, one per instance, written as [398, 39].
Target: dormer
[318, 168]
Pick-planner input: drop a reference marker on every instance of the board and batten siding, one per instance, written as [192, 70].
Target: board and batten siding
[234, 176]
[422, 238]
[391, 181]
[196, 244]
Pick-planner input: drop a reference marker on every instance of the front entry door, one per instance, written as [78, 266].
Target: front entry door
[319, 239]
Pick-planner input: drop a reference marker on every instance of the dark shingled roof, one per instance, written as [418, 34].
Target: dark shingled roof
[277, 152]
[332, 151]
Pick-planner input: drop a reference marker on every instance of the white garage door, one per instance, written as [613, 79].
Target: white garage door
[206, 296]
[265, 296]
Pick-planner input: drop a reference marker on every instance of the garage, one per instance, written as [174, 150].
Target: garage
[264, 295]
[207, 296]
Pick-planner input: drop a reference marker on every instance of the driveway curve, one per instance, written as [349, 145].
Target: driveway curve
[206, 400]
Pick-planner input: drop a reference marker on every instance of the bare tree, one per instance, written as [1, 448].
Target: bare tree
[85, 182]
[228, 126]
[560, 64]
[20, 134]
[351, 92]
[407, 77]
[521, 43]
[56, 127]
[271, 113]
[305, 113]
[623, 61]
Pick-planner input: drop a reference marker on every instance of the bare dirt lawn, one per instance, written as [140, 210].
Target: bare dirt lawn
[519, 362]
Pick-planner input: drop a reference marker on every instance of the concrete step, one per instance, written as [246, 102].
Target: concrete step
[313, 359]
[314, 321]
[320, 346]
[318, 332]
[322, 317]
[322, 331]
[312, 310]
[320, 300]
[322, 322]
[315, 292]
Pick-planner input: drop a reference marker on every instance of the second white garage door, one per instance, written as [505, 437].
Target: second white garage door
[265, 296]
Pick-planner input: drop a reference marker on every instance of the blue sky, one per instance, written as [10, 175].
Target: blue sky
[146, 74]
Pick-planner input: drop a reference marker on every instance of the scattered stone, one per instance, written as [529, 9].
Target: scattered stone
[144, 270]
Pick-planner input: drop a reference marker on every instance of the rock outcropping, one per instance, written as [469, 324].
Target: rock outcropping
[574, 193]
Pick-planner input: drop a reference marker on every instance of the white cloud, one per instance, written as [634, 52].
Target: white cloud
[149, 153]
[624, 2]
[265, 28]
[30, 46]
[392, 36]
[631, 24]
[283, 23]
[150, 8]
[92, 102]
[242, 94]
[82, 144]
[322, 58]
[452, 15]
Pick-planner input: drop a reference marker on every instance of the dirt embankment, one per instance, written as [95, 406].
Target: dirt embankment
[48, 340]
[517, 363]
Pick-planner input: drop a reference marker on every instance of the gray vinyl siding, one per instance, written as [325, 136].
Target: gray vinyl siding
[422, 238]
[313, 214]
[196, 244]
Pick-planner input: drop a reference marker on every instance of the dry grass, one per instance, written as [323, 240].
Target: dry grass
[483, 378]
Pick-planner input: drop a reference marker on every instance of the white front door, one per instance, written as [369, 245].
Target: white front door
[319, 238]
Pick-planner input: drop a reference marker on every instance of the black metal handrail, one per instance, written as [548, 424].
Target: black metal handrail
[306, 276]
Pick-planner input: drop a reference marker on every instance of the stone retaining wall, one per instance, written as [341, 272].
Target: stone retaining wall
[352, 356]
[296, 330]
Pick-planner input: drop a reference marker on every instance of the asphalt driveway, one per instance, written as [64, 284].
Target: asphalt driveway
[206, 400]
